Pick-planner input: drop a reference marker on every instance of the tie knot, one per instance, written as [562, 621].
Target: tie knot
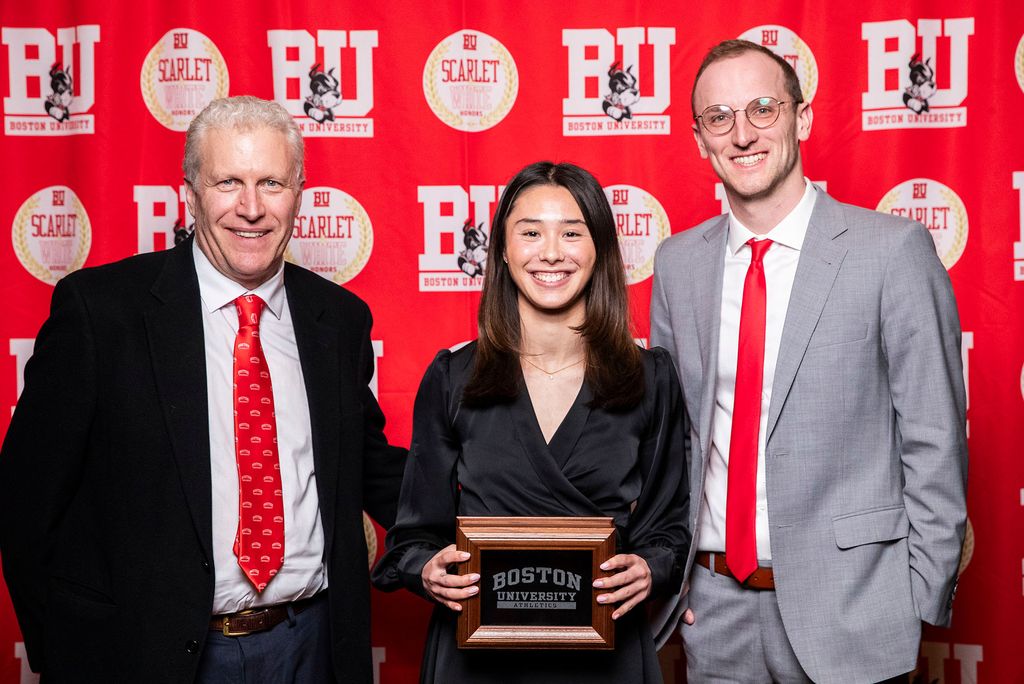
[758, 248]
[249, 308]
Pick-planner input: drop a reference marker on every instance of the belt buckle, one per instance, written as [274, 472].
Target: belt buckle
[226, 628]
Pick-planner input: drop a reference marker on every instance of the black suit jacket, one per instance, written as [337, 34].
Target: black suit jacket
[105, 493]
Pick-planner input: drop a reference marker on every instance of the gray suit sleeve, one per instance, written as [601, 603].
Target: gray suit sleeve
[661, 329]
[921, 342]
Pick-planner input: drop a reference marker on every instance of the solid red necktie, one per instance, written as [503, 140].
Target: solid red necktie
[259, 541]
[740, 512]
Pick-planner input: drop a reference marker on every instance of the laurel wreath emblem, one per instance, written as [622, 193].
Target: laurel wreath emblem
[965, 555]
[455, 120]
[955, 250]
[355, 265]
[662, 231]
[951, 255]
[147, 80]
[508, 97]
[1019, 63]
[365, 243]
[371, 539]
[810, 68]
[19, 236]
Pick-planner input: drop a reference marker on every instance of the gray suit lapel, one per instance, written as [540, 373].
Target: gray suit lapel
[820, 259]
[707, 270]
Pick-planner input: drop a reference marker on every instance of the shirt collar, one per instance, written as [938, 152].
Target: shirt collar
[217, 290]
[790, 231]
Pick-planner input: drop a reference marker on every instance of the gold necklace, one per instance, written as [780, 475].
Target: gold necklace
[551, 374]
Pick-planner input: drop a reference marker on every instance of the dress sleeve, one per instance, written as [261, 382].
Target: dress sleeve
[428, 501]
[657, 529]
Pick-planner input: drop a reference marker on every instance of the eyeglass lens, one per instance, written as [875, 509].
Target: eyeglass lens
[762, 112]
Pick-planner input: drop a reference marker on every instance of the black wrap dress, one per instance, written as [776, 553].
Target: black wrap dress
[493, 461]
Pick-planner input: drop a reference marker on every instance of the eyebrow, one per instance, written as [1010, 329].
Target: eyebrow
[562, 221]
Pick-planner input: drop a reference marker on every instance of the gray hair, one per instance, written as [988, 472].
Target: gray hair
[242, 112]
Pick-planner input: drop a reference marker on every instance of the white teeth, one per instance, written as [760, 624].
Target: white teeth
[750, 160]
[246, 234]
[550, 277]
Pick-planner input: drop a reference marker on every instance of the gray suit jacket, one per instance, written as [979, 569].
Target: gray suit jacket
[866, 457]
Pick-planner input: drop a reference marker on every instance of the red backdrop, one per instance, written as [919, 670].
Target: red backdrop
[418, 113]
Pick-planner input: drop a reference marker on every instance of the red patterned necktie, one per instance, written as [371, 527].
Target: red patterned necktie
[259, 542]
[740, 512]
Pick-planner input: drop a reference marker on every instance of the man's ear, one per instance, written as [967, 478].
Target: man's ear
[190, 197]
[804, 119]
[699, 140]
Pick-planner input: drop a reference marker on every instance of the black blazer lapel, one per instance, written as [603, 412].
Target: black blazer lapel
[174, 328]
[317, 339]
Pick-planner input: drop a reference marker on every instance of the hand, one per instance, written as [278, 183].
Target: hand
[445, 588]
[632, 583]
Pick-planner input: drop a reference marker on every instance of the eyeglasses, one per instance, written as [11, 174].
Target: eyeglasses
[762, 112]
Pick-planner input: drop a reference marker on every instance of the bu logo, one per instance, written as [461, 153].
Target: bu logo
[455, 240]
[307, 80]
[163, 218]
[913, 99]
[51, 92]
[628, 100]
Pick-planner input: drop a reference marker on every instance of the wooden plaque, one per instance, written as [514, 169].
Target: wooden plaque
[536, 578]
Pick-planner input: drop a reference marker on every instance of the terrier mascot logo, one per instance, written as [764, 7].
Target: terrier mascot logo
[623, 93]
[922, 84]
[58, 102]
[324, 96]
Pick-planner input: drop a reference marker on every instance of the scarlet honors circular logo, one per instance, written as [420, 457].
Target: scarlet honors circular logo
[332, 235]
[1018, 63]
[936, 206]
[789, 46]
[641, 223]
[470, 81]
[51, 233]
[182, 73]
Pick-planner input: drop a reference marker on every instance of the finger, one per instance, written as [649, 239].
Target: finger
[622, 560]
[444, 579]
[449, 555]
[623, 594]
[619, 579]
[451, 598]
[450, 594]
[625, 607]
[688, 617]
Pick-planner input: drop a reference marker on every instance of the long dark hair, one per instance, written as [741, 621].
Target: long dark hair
[614, 369]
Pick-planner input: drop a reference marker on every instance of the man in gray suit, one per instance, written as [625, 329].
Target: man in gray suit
[818, 346]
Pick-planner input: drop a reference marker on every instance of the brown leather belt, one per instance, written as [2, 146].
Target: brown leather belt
[260, 619]
[762, 579]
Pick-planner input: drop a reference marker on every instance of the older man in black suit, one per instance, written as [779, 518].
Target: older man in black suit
[182, 482]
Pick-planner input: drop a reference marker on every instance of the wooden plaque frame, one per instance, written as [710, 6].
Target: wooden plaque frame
[481, 534]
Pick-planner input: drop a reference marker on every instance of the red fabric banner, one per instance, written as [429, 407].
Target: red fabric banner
[416, 115]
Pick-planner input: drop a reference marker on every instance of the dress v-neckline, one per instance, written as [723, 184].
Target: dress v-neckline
[565, 436]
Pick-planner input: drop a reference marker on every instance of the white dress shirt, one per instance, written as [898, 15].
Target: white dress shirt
[780, 262]
[303, 573]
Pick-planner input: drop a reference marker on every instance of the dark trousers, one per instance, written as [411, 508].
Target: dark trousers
[297, 651]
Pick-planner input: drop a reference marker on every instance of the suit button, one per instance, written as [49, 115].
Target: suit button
[206, 566]
[192, 647]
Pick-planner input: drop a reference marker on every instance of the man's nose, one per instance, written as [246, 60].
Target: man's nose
[743, 132]
[250, 204]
